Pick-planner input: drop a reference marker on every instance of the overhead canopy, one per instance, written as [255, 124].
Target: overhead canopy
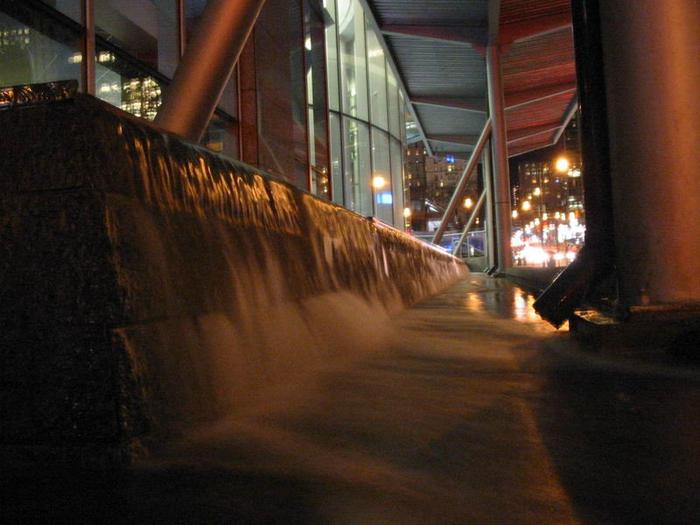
[438, 47]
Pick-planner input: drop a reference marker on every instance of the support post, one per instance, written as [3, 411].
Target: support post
[206, 66]
[88, 64]
[470, 222]
[500, 157]
[472, 163]
[489, 230]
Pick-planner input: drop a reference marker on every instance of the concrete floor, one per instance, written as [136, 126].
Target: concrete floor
[478, 412]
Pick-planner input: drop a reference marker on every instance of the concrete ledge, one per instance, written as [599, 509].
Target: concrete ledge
[150, 286]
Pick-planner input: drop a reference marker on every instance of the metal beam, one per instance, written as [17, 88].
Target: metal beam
[494, 7]
[546, 144]
[468, 226]
[519, 99]
[570, 112]
[489, 228]
[521, 134]
[475, 105]
[500, 157]
[474, 36]
[471, 165]
[206, 66]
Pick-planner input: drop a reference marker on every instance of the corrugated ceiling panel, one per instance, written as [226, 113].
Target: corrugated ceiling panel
[514, 11]
[431, 12]
[446, 121]
[547, 59]
[549, 111]
[432, 68]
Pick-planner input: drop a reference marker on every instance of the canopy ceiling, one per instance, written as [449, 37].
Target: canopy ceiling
[438, 47]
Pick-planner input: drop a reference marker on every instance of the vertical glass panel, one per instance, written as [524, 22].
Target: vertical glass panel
[222, 136]
[393, 95]
[126, 86]
[316, 101]
[397, 182]
[336, 159]
[381, 177]
[377, 81]
[34, 48]
[146, 29]
[70, 8]
[353, 62]
[356, 163]
[332, 56]
[282, 113]
[403, 111]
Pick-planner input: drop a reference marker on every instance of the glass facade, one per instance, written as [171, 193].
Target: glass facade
[366, 116]
[326, 109]
[38, 44]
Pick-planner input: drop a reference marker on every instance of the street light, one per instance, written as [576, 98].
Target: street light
[562, 165]
[468, 203]
[378, 182]
[526, 206]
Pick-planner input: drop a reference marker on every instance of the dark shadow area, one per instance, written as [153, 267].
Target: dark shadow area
[170, 495]
[625, 444]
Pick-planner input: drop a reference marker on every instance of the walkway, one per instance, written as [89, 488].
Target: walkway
[478, 413]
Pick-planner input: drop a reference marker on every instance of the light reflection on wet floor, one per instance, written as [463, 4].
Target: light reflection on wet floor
[479, 412]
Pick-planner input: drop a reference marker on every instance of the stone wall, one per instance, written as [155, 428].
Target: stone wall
[149, 286]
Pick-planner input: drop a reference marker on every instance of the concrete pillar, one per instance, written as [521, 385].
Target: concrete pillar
[500, 157]
[206, 66]
[651, 53]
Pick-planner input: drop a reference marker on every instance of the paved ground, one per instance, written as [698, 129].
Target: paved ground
[478, 413]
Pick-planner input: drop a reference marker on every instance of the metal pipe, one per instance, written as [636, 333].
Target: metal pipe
[206, 66]
[462, 183]
[471, 220]
[500, 157]
[88, 64]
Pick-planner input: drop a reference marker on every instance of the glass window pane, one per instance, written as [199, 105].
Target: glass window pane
[356, 163]
[121, 83]
[377, 81]
[351, 30]
[316, 100]
[336, 162]
[282, 113]
[146, 29]
[403, 110]
[393, 95]
[381, 177]
[221, 136]
[70, 8]
[34, 48]
[332, 56]
[397, 182]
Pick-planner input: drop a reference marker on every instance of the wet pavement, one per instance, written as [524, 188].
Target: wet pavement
[478, 412]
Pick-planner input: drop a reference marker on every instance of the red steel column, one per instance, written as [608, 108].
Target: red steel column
[206, 66]
[652, 72]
